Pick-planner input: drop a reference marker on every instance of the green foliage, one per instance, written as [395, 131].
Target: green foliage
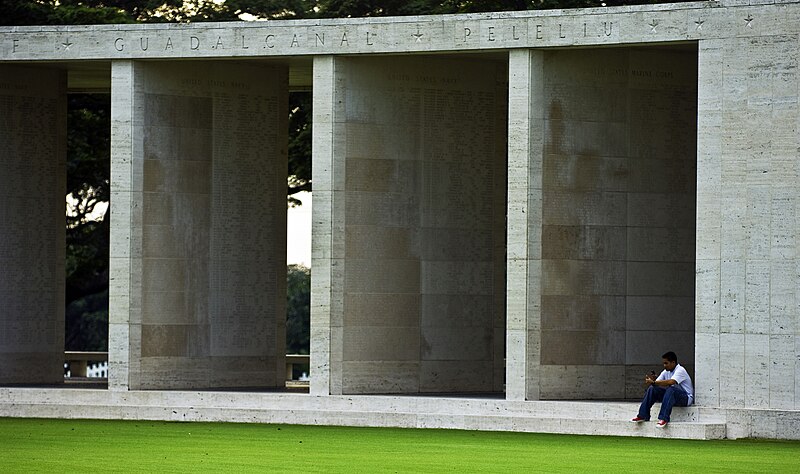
[299, 144]
[87, 323]
[88, 171]
[134, 10]
[298, 309]
[41, 445]
[65, 12]
[283, 9]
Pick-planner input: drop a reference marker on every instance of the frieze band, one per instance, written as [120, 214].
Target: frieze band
[613, 26]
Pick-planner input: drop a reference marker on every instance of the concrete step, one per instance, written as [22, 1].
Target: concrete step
[562, 417]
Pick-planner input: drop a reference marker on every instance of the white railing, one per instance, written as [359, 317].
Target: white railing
[297, 359]
[84, 364]
[76, 364]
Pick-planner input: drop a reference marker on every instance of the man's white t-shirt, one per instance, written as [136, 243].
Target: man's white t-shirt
[682, 377]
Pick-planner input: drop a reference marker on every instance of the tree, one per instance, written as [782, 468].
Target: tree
[298, 309]
[88, 172]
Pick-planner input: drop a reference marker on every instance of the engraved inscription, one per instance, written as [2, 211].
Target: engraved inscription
[607, 30]
[285, 38]
[29, 117]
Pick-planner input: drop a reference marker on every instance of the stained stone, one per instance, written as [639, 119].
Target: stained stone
[517, 203]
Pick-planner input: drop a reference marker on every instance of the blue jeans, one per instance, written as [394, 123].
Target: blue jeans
[669, 397]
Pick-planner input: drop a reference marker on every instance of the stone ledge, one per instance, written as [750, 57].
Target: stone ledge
[557, 417]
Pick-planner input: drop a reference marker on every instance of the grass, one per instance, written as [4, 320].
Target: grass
[37, 445]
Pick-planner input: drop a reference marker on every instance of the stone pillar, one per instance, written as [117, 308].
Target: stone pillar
[327, 234]
[523, 291]
[205, 241]
[712, 362]
[415, 206]
[748, 135]
[32, 229]
[125, 239]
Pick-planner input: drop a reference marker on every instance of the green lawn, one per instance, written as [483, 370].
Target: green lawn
[35, 445]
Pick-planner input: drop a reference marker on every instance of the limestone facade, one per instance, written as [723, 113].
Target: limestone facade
[531, 204]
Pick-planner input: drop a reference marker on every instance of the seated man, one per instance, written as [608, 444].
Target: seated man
[673, 387]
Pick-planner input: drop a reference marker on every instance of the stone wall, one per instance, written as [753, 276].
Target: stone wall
[608, 249]
[423, 165]
[748, 288]
[618, 220]
[209, 201]
[33, 125]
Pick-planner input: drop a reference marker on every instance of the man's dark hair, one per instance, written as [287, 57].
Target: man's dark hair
[670, 356]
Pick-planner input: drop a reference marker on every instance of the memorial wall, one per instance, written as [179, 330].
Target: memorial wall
[33, 126]
[748, 272]
[540, 203]
[423, 159]
[618, 217]
[211, 182]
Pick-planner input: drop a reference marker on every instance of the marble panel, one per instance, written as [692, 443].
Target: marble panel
[782, 368]
[566, 382]
[666, 313]
[32, 257]
[461, 375]
[381, 343]
[584, 242]
[644, 347]
[660, 278]
[579, 277]
[756, 370]
[380, 377]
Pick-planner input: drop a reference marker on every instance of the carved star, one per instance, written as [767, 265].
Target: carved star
[66, 44]
[749, 20]
[699, 24]
[418, 36]
[653, 26]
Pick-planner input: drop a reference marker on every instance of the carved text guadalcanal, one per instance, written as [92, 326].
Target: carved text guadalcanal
[241, 42]
[286, 39]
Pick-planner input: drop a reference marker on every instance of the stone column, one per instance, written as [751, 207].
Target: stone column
[749, 98]
[327, 244]
[524, 227]
[709, 365]
[32, 224]
[199, 167]
[125, 240]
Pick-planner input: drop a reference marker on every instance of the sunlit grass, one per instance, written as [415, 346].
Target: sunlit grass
[35, 445]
